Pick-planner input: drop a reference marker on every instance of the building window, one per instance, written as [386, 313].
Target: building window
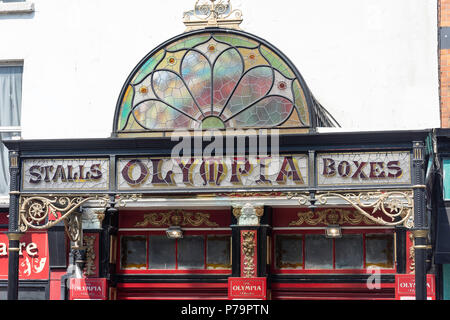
[155, 252]
[10, 110]
[308, 252]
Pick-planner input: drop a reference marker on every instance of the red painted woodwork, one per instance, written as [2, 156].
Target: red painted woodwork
[331, 291]
[55, 284]
[136, 219]
[165, 271]
[365, 270]
[285, 217]
[172, 291]
[4, 218]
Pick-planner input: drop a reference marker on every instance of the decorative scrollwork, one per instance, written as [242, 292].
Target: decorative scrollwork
[41, 213]
[396, 207]
[176, 218]
[330, 217]
[123, 199]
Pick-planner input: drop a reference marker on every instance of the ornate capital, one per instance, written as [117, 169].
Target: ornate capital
[248, 214]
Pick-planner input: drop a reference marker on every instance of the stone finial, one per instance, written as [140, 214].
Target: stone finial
[212, 13]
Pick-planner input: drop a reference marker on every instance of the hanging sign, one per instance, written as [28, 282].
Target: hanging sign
[33, 256]
[247, 288]
[366, 168]
[88, 289]
[215, 172]
[405, 287]
[65, 174]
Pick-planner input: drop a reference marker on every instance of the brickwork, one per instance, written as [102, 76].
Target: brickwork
[444, 66]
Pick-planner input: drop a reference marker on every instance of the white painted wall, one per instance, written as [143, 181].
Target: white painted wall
[371, 63]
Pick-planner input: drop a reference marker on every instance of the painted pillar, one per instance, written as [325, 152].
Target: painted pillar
[13, 227]
[420, 231]
[250, 241]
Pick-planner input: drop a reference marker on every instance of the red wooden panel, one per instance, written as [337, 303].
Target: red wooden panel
[176, 217]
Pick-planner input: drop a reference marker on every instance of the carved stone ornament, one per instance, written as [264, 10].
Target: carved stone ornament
[89, 267]
[248, 214]
[93, 218]
[179, 218]
[212, 13]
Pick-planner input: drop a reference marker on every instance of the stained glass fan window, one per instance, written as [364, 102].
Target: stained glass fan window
[213, 80]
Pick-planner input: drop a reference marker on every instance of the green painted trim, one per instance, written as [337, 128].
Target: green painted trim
[446, 281]
[446, 178]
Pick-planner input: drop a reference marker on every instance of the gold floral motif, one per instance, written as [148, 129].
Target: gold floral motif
[89, 268]
[251, 194]
[248, 250]
[330, 217]
[176, 218]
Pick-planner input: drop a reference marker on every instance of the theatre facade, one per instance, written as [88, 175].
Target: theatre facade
[216, 184]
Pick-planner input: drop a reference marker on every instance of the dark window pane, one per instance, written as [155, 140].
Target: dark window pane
[218, 252]
[191, 252]
[380, 250]
[133, 253]
[349, 252]
[289, 251]
[318, 252]
[161, 253]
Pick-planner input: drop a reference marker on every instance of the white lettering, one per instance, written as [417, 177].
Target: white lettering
[3, 251]
[32, 249]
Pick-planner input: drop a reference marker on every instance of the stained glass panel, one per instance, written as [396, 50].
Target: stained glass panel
[235, 79]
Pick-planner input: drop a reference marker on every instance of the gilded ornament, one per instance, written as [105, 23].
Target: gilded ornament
[248, 251]
[176, 218]
[395, 206]
[330, 217]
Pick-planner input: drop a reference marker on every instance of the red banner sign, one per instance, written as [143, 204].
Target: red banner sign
[247, 288]
[405, 287]
[88, 289]
[33, 256]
